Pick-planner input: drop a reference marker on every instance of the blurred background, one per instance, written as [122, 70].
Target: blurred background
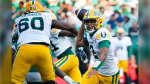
[116, 14]
[131, 15]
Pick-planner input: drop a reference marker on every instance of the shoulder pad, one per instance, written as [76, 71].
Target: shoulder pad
[102, 33]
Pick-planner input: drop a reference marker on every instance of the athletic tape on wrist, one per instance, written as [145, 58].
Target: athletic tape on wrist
[97, 64]
[68, 79]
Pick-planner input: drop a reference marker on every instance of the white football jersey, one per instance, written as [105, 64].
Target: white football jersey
[34, 27]
[58, 44]
[121, 47]
[109, 66]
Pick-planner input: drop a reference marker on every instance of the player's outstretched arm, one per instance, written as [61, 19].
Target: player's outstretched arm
[66, 33]
[64, 26]
[80, 36]
[62, 75]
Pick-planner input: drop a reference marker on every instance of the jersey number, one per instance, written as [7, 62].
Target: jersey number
[55, 48]
[23, 22]
[91, 47]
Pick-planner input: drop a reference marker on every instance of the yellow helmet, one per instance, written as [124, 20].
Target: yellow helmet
[120, 32]
[93, 15]
[34, 6]
[46, 10]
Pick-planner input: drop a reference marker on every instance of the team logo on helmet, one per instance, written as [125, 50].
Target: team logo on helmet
[96, 13]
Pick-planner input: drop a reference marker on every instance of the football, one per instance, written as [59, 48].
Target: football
[80, 13]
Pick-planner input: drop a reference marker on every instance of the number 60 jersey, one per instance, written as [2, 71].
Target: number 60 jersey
[34, 27]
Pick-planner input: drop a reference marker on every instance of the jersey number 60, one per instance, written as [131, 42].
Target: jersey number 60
[24, 22]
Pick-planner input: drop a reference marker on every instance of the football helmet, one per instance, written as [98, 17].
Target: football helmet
[34, 6]
[120, 32]
[80, 13]
[93, 15]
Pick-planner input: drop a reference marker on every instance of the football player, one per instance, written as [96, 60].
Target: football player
[34, 31]
[123, 50]
[33, 76]
[61, 47]
[68, 62]
[105, 68]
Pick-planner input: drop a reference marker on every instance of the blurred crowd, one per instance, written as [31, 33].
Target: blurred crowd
[116, 14]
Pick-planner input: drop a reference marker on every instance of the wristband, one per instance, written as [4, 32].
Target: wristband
[97, 64]
[68, 79]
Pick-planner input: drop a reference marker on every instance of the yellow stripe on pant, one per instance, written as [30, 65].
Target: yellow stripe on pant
[70, 65]
[100, 78]
[32, 55]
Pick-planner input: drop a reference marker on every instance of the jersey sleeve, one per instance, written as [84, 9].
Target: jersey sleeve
[49, 17]
[53, 16]
[129, 43]
[55, 32]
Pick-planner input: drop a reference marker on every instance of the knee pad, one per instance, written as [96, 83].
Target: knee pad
[49, 82]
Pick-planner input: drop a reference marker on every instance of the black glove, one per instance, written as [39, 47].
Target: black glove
[80, 53]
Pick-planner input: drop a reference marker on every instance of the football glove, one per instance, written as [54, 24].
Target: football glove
[80, 53]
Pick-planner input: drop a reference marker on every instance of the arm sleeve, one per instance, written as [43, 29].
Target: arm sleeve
[53, 16]
[85, 41]
[129, 43]
[55, 32]
[104, 43]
